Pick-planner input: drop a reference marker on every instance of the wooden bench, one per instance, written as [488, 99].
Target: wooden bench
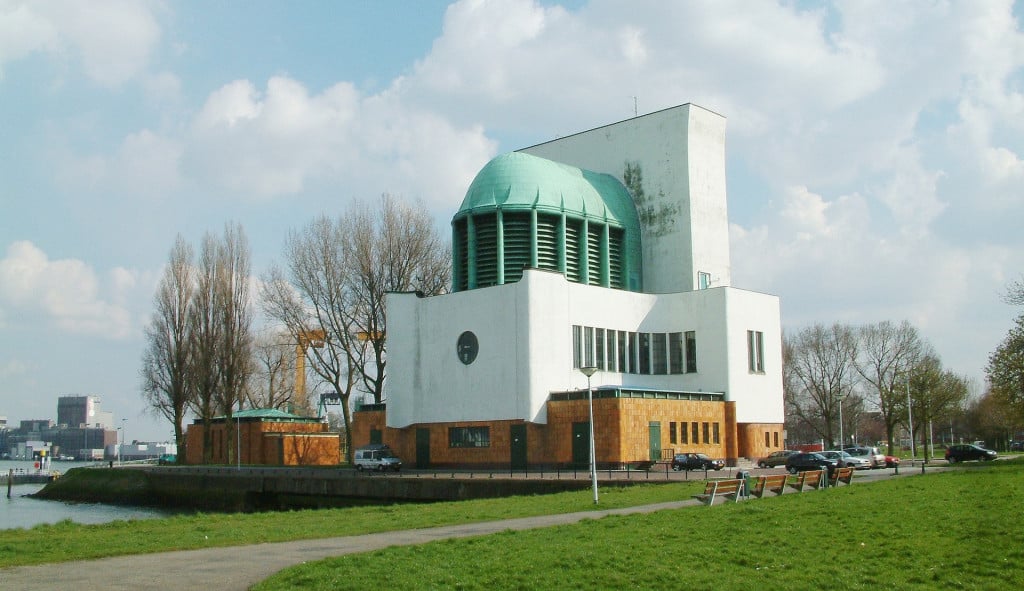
[721, 488]
[844, 475]
[775, 483]
[809, 479]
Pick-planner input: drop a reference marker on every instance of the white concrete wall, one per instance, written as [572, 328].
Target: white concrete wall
[681, 152]
[525, 348]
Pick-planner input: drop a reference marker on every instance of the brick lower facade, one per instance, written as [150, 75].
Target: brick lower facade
[628, 431]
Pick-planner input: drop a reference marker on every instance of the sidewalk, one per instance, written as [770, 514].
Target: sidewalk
[236, 568]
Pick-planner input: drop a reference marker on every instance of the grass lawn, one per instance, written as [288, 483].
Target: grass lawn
[71, 541]
[962, 529]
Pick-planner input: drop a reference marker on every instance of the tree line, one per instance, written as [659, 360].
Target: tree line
[323, 315]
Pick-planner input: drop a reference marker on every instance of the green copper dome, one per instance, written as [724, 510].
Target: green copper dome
[522, 211]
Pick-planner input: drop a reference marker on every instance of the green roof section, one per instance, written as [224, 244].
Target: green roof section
[271, 414]
[523, 211]
[518, 181]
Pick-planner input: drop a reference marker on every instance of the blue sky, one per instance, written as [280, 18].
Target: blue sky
[874, 149]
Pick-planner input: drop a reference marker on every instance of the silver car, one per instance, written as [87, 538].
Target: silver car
[845, 460]
[872, 454]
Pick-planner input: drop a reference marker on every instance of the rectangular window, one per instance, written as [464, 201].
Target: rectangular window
[691, 351]
[610, 350]
[703, 280]
[684, 434]
[695, 432]
[577, 346]
[716, 435]
[672, 433]
[707, 432]
[675, 352]
[632, 353]
[767, 441]
[645, 353]
[588, 346]
[659, 350]
[599, 343]
[776, 439]
[469, 437]
[755, 351]
[621, 349]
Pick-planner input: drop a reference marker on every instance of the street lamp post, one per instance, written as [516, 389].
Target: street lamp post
[910, 424]
[589, 371]
[842, 442]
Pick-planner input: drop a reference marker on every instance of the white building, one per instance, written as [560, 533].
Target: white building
[607, 248]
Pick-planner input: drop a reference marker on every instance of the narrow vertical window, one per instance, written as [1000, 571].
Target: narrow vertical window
[577, 346]
[632, 353]
[672, 433]
[767, 441]
[695, 431]
[703, 280]
[707, 432]
[645, 353]
[684, 434]
[675, 352]
[755, 351]
[691, 351]
[776, 438]
[716, 435]
[599, 344]
[621, 350]
[588, 346]
[660, 354]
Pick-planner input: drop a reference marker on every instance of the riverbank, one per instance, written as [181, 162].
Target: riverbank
[245, 489]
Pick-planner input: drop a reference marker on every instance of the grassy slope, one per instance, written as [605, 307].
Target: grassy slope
[71, 541]
[957, 530]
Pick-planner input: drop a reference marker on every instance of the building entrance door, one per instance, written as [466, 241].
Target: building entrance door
[581, 444]
[517, 437]
[423, 448]
[654, 431]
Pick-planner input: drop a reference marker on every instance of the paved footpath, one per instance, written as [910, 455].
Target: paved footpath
[236, 568]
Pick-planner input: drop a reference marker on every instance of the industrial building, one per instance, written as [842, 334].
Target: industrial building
[607, 249]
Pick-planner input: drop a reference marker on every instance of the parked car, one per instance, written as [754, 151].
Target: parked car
[376, 457]
[967, 451]
[1017, 446]
[876, 457]
[845, 460]
[776, 458]
[799, 462]
[167, 459]
[891, 461]
[695, 462]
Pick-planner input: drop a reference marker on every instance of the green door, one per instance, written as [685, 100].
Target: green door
[423, 448]
[654, 430]
[581, 444]
[517, 436]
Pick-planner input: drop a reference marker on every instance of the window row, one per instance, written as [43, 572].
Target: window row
[690, 433]
[768, 438]
[651, 353]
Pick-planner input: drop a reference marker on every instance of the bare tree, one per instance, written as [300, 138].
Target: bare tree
[393, 247]
[936, 394]
[273, 383]
[234, 348]
[887, 354]
[166, 360]
[819, 374]
[205, 337]
[310, 301]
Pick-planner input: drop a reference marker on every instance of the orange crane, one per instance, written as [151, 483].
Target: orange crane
[307, 339]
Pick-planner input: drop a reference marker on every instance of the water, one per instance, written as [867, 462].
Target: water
[23, 511]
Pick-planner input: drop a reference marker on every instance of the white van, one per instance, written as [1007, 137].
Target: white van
[376, 457]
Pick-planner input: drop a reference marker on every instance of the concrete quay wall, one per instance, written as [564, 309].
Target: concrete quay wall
[253, 489]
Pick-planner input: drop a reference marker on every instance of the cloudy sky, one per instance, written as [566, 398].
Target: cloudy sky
[874, 148]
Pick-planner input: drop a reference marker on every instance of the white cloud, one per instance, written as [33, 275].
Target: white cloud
[275, 142]
[65, 292]
[112, 39]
